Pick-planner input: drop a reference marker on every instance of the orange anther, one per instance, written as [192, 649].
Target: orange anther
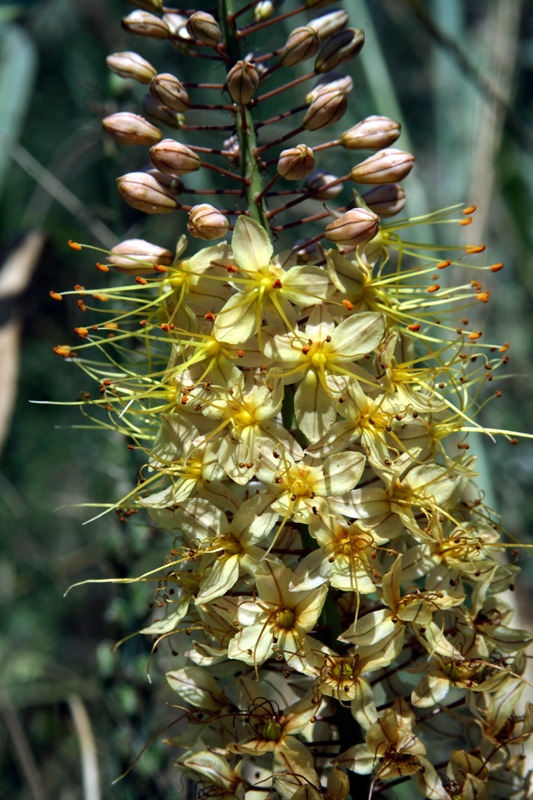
[475, 335]
[95, 327]
[141, 280]
[74, 245]
[305, 349]
[102, 267]
[160, 268]
[131, 447]
[184, 400]
[496, 267]
[106, 382]
[142, 323]
[434, 288]
[231, 268]
[111, 325]
[171, 326]
[498, 393]
[277, 284]
[475, 248]
[81, 305]
[164, 326]
[469, 210]
[56, 296]
[82, 332]
[63, 350]
[240, 353]
[347, 305]
[79, 288]
[210, 317]
[466, 221]
[505, 346]
[415, 327]
[483, 296]
[103, 297]
[476, 285]
[444, 264]
[513, 441]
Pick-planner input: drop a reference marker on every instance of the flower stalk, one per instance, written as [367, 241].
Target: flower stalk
[333, 562]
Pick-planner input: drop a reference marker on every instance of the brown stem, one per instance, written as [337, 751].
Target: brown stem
[285, 86]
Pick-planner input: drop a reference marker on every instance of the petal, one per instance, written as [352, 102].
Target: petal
[237, 320]
[357, 335]
[251, 246]
[223, 577]
[313, 407]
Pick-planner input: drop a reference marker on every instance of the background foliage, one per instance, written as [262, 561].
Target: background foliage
[458, 74]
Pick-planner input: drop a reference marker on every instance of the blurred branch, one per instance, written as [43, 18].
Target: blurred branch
[515, 125]
[64, 196]
[89, 761]
[23, 754]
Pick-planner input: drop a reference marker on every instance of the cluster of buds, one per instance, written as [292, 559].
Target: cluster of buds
[332, 561]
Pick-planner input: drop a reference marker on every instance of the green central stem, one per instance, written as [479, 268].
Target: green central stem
[244, 124]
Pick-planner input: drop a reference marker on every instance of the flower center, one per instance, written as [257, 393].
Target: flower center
[244, 418]
[285, 618]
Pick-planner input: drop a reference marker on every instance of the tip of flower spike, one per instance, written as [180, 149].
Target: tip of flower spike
[74, 245]
[55, 295]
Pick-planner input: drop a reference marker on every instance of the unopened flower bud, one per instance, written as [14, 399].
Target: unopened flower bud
[385, 200]
[144, 192]
[141, 23]
[242, 82]
[168, 91]
[329, 82]
[383, 167]
[131, 65]
[302, 43]
[175, 158]
[296, 162]
[326, 109]
[170, 182]
[356, 226]
[130, 129]
[203, 26]
[175, 21]
[342, 46]
[138, 257]
[148, 5]
[320, 183]
[328, 24]
[371, 133]
[263, 10]
[158, 113]
[207, 222]
[232, 149]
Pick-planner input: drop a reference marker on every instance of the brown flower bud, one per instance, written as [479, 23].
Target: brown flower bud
[170, 182]
[131, 129]
[168, 91]
[383, 167]
[172, 157]
[302, 43]
[326, 109]
[157, 113]
[144, 192]
[175, 22]
[385, 200]
[242, 82]
[135, 256]
[329, 82]
[371, 133]
[141, 23]
[148, 5]
[328, 24]
[296, 162]
[356, 226]
[131, 65]
[203, 26]
[342, 46]
[207, 222]
[319, 182]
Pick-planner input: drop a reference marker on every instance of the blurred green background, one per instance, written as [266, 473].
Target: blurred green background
[459, 75]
